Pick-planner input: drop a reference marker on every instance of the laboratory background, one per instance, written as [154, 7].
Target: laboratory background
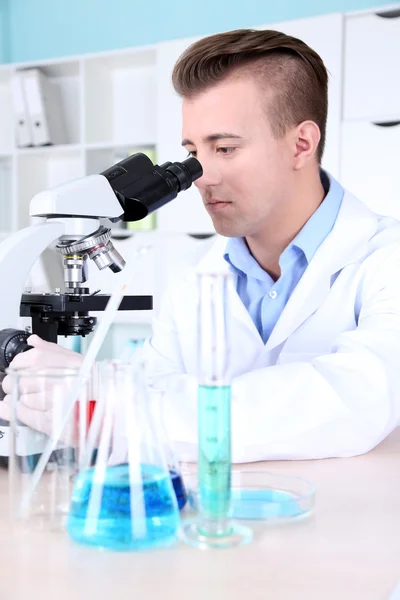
[107, 70]
[97, 76]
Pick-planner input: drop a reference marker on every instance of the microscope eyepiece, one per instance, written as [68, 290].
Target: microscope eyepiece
[142, 187]
[186, 172]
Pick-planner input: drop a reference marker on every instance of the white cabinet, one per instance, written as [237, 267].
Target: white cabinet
[7, 196]
[120, 98]
[371, 67]
[324, 34]
[370, 165]
[186, 214]
[6, 122]
[107, 103]
[370, 146]
[42, 168]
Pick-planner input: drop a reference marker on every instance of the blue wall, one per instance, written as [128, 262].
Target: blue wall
[4, 31]
[41, 29]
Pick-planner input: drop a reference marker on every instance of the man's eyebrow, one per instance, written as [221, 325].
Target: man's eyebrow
[213, 137]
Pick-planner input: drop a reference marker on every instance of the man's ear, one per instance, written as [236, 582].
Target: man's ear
[305, 140]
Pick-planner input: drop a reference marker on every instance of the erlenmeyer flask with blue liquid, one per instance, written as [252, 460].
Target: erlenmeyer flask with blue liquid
[125, 500]
[156, 392]
[154, 388]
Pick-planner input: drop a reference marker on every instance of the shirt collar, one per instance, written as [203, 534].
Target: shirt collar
[307, 240]
[237, 254]
[321, 222]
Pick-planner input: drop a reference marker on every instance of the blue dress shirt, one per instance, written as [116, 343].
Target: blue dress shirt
[265, 298]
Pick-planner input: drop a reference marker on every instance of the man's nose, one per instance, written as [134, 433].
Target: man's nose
[211, 174]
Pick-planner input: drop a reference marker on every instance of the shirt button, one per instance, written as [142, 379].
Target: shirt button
[272, 294]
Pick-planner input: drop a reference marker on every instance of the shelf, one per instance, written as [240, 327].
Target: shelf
[5, 73]
[46, 170]
[57, 149]
[375, 119]
[123, 59]
[123, 146]
[100, 157]
[120, 99]
[64, 82]
[6, 112]
[59, 70]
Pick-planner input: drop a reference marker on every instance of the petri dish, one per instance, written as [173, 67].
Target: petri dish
[260, 495]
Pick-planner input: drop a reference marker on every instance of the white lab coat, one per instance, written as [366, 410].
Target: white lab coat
[327, 382]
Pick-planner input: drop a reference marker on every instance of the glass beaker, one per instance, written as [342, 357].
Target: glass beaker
[125, 500]
[214, 527]
[38, 400]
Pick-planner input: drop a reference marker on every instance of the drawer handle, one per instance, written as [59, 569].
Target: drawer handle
[389, 14]
[387, 123]
[200, 236]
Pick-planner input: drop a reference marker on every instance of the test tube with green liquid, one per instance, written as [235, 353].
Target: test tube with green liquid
[213, 527]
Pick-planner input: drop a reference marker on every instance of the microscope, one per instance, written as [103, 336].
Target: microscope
[67, 218]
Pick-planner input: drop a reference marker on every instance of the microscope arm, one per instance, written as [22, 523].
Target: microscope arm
[18, 254]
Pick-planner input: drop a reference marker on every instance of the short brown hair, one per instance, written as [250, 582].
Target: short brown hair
[295, 72]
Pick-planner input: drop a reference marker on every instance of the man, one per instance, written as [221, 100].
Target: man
[316, 316]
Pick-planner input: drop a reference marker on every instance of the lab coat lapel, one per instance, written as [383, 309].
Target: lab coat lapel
[347, 241]
[214, 262]
[354, 226]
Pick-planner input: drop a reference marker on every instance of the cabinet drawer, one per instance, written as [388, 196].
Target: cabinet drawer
[372, 67]
[370, 164]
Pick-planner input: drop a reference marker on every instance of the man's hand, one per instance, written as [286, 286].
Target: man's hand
[35, 408]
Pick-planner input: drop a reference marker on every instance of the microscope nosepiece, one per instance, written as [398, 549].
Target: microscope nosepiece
[98, 247]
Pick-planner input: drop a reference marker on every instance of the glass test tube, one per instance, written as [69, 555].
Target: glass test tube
[214, 527]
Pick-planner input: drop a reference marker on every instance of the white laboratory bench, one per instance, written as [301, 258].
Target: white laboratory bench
[348, 550]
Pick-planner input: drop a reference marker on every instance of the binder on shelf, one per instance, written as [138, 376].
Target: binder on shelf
[44, 108]
[23, 127]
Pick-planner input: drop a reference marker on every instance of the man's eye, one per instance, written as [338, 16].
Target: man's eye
[226, 150]
[192, 153]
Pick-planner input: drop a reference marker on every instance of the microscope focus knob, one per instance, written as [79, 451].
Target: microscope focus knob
[12, 342]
